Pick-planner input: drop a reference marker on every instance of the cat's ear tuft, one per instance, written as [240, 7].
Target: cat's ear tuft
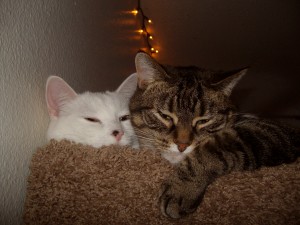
[58, 93]
[227, 84]
[128, 86]
[148, 70]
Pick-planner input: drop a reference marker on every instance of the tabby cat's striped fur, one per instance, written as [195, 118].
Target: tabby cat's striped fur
[185, 113]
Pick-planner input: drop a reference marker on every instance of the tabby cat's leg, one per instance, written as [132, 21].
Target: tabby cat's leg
[183, 191]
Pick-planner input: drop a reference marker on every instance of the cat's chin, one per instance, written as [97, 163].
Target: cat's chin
[174, 157]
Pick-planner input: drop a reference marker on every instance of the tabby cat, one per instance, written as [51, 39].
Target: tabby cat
[185, 113]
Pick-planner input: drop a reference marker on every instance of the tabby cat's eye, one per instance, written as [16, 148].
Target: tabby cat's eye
[202, 122]
[124, 118]
[93, 120]
[164, 116]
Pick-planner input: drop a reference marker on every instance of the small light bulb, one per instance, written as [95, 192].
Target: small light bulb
[149, 21]
[135, 12]
[151, 37]
[156, 51]
[152, 49]
[141, 31]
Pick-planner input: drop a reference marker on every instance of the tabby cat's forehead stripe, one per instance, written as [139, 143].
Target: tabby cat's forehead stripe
[172, 104]
[167, 104]
[187, 100]
[202, 108]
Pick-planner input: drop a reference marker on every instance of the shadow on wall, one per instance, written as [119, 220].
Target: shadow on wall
[271, 93]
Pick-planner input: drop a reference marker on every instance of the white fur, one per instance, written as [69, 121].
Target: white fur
[174, 156]
[70, 122]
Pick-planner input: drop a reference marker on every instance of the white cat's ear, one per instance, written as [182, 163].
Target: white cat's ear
[128, 86]
[58, 93]
[227, 84]
[148, 70]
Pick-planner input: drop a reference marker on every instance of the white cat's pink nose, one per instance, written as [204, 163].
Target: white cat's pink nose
[118, 134]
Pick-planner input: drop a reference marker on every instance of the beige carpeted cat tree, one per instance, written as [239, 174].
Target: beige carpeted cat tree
[77, 184]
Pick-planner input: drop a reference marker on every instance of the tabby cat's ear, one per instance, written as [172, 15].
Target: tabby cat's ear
[58, 93]
[226, 85]
[148, 70]
[128, 86]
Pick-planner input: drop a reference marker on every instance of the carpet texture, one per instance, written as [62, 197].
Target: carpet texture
[76, 184]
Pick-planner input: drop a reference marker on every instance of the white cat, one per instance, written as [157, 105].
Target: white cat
[94, 119]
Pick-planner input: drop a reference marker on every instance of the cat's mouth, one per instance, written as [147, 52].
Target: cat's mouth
[174, 155]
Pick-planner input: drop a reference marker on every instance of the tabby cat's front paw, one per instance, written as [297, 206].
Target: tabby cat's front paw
[177, 201]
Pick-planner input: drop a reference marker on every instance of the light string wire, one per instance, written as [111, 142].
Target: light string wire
[145, 21]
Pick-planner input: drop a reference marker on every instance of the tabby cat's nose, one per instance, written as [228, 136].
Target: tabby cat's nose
[182, 147]
[118, 134]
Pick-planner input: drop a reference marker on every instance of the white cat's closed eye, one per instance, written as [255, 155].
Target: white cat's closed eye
[124, 118]
[91, 119]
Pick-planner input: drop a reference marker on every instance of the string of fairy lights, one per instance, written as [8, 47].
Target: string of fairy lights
[145, 22]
